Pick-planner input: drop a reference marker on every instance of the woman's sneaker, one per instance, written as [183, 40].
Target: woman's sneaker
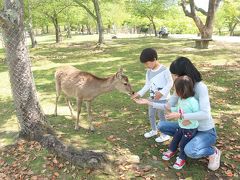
[168, 155]
[214, 160]
[162, 138]
[179, 163]
[150, 134]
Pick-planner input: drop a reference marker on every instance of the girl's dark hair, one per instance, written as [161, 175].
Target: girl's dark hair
[183, 66]
[184, 87]
[148, 54]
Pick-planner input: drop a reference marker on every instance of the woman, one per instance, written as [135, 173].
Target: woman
[202, 145]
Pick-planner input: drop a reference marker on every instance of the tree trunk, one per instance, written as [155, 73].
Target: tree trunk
[99, 22]
[29, 28]
[57, 29]
[32, 36]
[69, 34]
[233, 28]
[33, 124]
[88, 29]
[154, 28]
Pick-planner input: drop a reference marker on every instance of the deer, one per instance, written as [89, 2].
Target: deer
[85, 86]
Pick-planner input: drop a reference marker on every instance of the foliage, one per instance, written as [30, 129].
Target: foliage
[230, 14]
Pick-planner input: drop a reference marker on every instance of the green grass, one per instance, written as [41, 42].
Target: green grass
[119, 122]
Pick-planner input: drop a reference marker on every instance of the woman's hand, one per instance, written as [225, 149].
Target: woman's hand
[142, 101]
[172, 115]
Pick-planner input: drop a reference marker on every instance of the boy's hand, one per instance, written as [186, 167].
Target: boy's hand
[142, 101]
[135, 95]
[158, 95]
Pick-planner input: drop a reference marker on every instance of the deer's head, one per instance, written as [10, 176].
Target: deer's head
[122, 84]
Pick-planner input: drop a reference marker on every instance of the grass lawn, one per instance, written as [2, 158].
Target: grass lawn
[120, 123]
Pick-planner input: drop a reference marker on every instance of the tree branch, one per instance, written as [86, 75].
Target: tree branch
[186, 12]
[238, 19]
[201, 10]
[217, 4]
[86, 8]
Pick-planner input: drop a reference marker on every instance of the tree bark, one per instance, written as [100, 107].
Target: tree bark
[99, 22]
[33, 124]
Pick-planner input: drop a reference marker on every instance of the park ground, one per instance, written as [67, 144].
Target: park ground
[120, 123]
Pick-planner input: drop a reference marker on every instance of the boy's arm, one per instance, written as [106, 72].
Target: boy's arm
[166, 89]
[145, 87]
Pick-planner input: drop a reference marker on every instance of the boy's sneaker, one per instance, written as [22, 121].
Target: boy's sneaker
[214, 160]
[162, 138]
[179, 163]
[150, 134]
[167, 155]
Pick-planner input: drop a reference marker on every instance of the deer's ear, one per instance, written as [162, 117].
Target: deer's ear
[119, 73]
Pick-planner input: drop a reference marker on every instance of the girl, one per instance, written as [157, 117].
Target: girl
[187, 129]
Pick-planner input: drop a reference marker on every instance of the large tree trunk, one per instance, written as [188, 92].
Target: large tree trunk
[99, 22]
[206, 29]
[31, 119]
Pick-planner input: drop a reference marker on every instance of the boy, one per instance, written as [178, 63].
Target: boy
[158, 82]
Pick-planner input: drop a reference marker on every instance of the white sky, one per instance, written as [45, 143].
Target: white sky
[202, 4]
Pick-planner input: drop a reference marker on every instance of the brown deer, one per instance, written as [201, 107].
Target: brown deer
[85, 87]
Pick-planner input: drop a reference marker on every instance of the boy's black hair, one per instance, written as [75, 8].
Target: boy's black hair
[183, 66]
[184, 87]
[148, 54]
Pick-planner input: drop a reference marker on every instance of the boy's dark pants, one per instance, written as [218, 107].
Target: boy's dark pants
[181, 138]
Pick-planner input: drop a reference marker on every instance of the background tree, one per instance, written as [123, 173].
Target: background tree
[96, 14]
[206, 29]
[231, 14]
[33, 123]
[29, 22]
[150, 9]
[54, 11]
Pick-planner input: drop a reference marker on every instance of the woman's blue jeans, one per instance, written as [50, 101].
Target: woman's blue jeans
[200, 146]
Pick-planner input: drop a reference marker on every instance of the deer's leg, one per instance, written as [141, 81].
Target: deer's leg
[90, 118]
[70, 107]
[58, 91]
[79, 105]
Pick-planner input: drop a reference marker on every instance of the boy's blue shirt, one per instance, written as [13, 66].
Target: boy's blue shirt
[188, 105]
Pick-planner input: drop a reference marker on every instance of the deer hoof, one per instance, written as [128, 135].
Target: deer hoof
[76, 128]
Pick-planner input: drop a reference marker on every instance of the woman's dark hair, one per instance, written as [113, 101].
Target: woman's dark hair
[148, 54]
[183, 66]
[184, 87]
